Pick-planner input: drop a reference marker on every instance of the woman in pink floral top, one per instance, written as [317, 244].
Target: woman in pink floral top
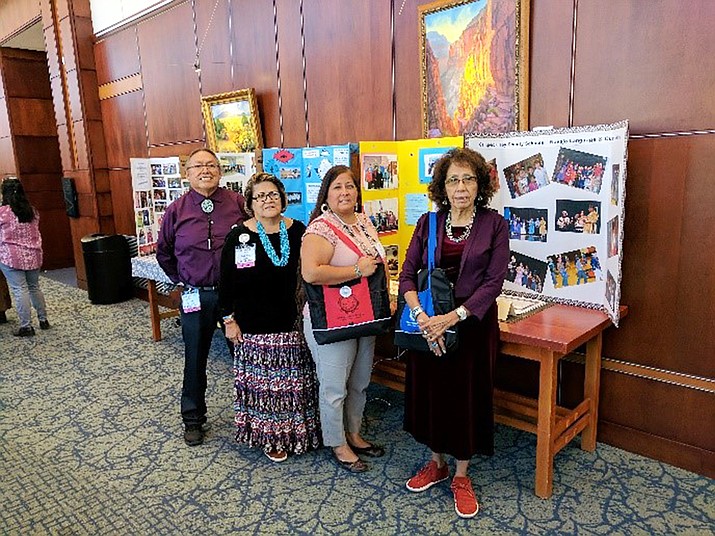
[21, 255]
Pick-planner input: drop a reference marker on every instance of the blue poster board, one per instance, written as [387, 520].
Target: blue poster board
[316, 163]
[287, 165]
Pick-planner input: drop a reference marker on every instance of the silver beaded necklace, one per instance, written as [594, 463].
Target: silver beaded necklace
[467, 229]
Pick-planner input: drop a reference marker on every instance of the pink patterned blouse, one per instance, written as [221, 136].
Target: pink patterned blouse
[20, 243]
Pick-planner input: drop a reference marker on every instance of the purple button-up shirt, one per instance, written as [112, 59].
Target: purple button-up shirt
[183, 248]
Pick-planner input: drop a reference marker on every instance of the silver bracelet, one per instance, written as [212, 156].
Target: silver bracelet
[358, 273]
[416, 311]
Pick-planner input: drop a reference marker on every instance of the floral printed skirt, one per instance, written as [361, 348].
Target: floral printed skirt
[276, 393]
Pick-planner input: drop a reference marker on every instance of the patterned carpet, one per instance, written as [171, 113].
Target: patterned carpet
[90, 443]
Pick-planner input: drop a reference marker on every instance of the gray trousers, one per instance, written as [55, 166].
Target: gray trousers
[344, 369]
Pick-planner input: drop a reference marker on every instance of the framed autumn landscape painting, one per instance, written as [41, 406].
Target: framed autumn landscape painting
[232, 123]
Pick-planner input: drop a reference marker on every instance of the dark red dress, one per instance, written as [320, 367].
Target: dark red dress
[448, 400]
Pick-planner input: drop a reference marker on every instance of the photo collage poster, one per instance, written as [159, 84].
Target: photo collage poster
[394, 176]
[156, 183]
[236, 169]
[562, 192]
[302, 169]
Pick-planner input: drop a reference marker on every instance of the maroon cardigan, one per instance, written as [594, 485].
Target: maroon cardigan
[484, 261]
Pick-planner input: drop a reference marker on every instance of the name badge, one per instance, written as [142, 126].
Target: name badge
[190, 302]
[245, 256]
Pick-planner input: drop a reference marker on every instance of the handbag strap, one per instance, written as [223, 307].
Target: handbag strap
[431, 247]
[344, 238]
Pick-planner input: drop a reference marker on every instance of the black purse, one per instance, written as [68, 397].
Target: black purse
[436, 297]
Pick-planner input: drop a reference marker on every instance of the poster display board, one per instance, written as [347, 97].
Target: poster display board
[156, 183]
[562, 192]
[302, 170]
[394, 176]
[236, 169]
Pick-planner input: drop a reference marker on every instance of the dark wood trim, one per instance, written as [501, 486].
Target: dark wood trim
[697, 460]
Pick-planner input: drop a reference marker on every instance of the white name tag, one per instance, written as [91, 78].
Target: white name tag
[190, 302]
[245, 256]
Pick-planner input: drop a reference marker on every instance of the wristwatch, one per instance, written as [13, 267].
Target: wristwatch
[461, 313]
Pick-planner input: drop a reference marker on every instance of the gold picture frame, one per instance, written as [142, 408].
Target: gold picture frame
[460, 43]
[232, 123]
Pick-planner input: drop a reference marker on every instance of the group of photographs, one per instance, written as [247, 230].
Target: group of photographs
[573, 267]
[150, 205]
[379, 174]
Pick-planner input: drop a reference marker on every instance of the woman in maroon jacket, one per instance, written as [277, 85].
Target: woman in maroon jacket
[448, 398]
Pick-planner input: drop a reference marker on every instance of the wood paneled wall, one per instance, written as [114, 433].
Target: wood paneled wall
[323, 74]
[30, 147]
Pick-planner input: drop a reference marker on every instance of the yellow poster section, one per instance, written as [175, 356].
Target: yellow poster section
[392, 195]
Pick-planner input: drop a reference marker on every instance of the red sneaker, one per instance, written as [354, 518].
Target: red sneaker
[428, 476]
[465, 501]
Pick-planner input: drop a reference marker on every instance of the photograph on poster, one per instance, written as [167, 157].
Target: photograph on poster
[612, 237]
[383, 214]
[614, 184]
[149, 249]
[580, 170]
[294, 198]
[526, 176]
[159, 218]
[528, 224]
[494, 175]
[141, 199]
[578, 216]
[391, 254]
[289, 173]
[573, 268]
[160, 206]
[379, 171]
[174, 182]
[158, 182]
[611, 290]
[156, 169]
[174, 195]
[428, 156]
[170, 169]
[527, 272]
[159, 195]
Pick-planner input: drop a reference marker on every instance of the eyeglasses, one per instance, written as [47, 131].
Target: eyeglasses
[264, 196]
[468, 180]
[210, 167]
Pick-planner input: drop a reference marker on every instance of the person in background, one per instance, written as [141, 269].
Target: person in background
[21, 255]
[189, 251]
[449, 399]
[344, 368]
[5, 302]
[275, 387]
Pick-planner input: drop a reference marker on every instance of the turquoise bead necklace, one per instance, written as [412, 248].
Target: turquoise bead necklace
[268, 247]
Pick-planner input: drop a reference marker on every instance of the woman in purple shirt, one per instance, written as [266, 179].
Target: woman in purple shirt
[448, 398]
[21, 255]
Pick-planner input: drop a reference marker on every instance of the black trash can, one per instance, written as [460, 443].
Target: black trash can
[108, 268]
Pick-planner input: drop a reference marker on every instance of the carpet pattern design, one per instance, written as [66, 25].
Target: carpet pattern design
[90, 443]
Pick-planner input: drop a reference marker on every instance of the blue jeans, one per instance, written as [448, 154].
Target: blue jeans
[25, 289]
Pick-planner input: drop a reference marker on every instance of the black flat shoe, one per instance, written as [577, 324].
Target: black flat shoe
[358, 466]
[374, 451]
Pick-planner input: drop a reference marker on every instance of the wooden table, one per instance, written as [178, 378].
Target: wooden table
[149, 269]
[544, 337]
